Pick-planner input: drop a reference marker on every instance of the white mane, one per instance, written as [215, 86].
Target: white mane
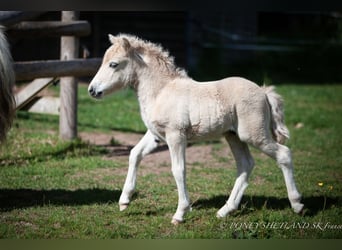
[157, 52]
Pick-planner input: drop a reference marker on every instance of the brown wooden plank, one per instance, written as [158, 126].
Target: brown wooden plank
[31, 90]
[74, 67]
[34, 29]
[8, 18]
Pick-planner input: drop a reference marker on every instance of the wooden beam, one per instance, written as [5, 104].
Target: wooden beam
[9, 18]
[31, 90]
[34, 29]
[68, 91]
[51, 68]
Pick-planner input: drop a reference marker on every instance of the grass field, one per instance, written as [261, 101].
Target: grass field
[54, 189]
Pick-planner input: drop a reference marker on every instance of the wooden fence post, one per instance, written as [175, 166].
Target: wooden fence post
[68, 91]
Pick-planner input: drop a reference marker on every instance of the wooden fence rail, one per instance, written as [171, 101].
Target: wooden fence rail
[9, 18]
[36, 29]
[51, 68]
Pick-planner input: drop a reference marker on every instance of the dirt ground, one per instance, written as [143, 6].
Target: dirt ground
[158, 161]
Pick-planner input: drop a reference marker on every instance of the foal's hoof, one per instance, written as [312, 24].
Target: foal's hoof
[298, 208]
[219, 215]
[176, 222]
[122, 207]
[224, 211]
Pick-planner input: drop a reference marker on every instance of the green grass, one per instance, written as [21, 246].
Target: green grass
[55, 189]
[119, 111]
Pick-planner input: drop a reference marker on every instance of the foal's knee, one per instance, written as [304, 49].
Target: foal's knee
[284, 157]
[135, 155]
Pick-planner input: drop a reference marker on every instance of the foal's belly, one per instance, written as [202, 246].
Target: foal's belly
[209, 119]
[203, 128]
[202, 131]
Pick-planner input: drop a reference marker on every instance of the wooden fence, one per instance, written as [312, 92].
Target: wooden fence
[19, 24]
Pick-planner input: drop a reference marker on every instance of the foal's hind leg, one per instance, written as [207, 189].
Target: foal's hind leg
[145, 146]
[282, 155]
[245, 164]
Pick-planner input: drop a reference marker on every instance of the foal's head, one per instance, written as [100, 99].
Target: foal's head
[117, 69]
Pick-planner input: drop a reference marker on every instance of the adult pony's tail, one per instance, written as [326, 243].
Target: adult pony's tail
[7, 78]
[279, 129]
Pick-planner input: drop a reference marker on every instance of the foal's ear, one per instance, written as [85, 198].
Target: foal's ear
[111, 38]
[126, 44]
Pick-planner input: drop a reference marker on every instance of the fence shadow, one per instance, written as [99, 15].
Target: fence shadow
[122, 150]
[313, 204]
[22, 198]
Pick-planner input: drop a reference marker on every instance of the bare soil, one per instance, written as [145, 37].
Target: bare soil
[159, 161]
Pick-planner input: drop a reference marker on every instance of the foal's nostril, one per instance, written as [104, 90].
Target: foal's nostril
[92, 91]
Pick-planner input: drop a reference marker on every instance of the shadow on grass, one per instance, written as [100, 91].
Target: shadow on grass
[313, 204]
[11, 199]
[122, 150]
[75, 148]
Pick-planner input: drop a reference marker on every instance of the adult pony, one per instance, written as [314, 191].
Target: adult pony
[7, 102]
[177, 109]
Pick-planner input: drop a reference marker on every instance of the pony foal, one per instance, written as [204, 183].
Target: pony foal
[177, 109]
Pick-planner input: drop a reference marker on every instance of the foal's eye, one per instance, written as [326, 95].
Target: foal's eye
[113, 64]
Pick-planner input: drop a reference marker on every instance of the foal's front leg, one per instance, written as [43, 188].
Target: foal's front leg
[145, 146]
[177, 146]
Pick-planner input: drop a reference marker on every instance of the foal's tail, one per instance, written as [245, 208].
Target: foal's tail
[279, 129]
[7, 78]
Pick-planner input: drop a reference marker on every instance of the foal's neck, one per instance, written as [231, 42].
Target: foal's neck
[150, 82]
[149, 88]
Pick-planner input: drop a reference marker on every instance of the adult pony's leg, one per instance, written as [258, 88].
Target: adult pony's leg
[145, 146]
[177, 146]
[245, 164]
[282, 155]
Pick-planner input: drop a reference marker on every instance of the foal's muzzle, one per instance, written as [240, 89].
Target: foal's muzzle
[96, 94]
